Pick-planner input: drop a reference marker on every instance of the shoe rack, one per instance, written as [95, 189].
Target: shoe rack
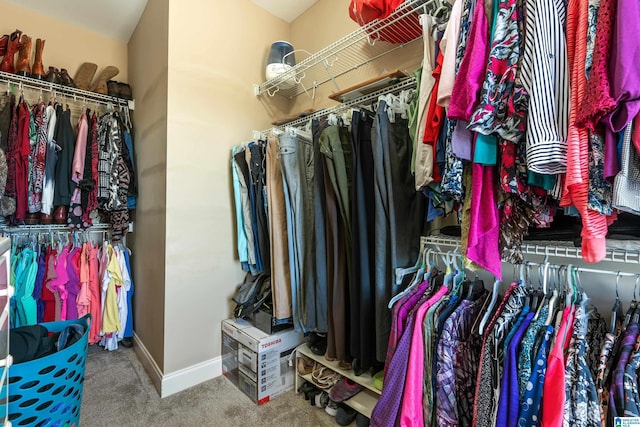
[363, 402]
[13, 82]
[349, 53]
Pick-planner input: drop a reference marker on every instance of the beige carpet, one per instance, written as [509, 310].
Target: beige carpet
[118, 392]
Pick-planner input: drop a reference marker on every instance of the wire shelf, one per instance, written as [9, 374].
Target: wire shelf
[368, 43]
[45, 228]
[405, 84]
[7, 79]
[558, 251]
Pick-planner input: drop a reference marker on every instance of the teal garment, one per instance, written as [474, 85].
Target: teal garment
[29, 305]
[243, 251]
[486, 149]
[546, 182]
[25, 307]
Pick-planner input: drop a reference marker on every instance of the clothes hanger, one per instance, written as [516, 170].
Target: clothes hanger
[616, 311]
[487, 314]
[420, 263]
[552, 299]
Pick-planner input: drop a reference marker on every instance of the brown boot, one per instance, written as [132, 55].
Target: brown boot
[85, 74]
[53, 75]
[37, 71]
[60, 215]
[23, 65]
[8, 64]
[99, 85]
[4, 40]
[65, 78]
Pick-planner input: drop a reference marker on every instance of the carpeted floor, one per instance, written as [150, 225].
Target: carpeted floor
[118, 392]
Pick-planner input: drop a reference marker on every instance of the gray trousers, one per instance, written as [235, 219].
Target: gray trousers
[399, 215]
[297, 162]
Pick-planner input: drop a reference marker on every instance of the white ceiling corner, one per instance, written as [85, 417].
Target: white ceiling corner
[116, 19]
[287, 10]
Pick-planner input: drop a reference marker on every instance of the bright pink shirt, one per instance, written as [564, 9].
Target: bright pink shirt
[60, 283]
[411, 414]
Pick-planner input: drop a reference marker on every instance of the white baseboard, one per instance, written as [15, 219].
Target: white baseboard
[193, 375]
[177, 381]
[148, 362]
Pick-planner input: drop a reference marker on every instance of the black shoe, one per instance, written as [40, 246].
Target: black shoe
[362, 421]
[127, 342]
[345, 415]
[113, 88]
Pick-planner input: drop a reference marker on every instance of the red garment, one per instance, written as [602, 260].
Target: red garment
[553, 394]
[47, 296]
[10, 187]
[597, 100]
[21, 156]
[435, 117]
[94, 289]
[365, 11]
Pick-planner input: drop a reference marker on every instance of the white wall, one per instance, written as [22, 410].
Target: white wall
[215, 56]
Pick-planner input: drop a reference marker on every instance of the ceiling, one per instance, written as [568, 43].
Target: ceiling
[287, 10]
[115, 19]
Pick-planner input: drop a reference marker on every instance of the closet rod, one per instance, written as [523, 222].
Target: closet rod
[537, 264]
[64, 91]
[612, 255]
[31, 229]
[408, 83]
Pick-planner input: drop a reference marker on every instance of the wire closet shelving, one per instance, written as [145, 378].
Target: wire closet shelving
[349, 53]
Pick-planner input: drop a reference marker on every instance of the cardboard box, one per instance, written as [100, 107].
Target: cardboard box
[256, 362]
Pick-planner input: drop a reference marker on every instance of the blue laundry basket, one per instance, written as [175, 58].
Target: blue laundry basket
[47, 392]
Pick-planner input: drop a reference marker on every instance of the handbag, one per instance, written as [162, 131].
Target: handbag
[252, 294]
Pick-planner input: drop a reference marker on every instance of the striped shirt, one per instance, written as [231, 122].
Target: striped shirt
[545, 77]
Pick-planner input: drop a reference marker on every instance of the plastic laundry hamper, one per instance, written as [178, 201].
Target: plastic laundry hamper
[48, 391]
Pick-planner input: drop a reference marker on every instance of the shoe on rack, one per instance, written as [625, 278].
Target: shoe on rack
[324, 377]
[4, 41]
[312, 396]
[362, 421]
[85, 74]
[37, 70]
[378, 379]
[344, 389]
[345, 366]
[322, 400]
[53, 75]
[317, 343]
[99, 84]
[345, 415]
[8, 64]
[125, 91]
[65, 78]
[23, 64]
[305, 365]
[45, 219]
[113, 89]
[305, 388]
[332, 408]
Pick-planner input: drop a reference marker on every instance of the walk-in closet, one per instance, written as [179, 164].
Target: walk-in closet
[319, 212]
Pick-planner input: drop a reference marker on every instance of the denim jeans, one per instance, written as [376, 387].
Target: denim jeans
[296, 159]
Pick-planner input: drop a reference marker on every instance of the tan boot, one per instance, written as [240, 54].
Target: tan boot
[23, 64]
[85, 74]
[99, 85]
[37, 70]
